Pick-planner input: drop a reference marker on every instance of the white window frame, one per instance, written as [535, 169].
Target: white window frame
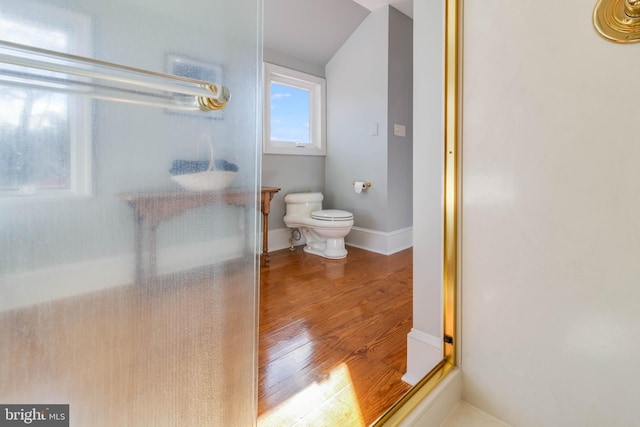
[317, 88]
[78, 26]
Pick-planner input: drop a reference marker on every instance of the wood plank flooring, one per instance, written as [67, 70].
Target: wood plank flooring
[333, 333]
[332, 345]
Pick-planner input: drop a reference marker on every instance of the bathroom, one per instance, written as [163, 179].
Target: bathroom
[73, 259]
[550, 241]
[369, 139]
[374, 50]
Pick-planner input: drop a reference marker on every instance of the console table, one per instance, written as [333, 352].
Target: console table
[150, 209]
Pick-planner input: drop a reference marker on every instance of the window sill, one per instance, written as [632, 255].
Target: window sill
[297, 151]
[37, 198]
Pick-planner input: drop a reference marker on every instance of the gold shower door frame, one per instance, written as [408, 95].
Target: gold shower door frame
[452, 114]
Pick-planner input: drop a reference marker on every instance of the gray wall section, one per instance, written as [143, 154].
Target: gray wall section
[400, 149]
[356, 102]
[292, 173]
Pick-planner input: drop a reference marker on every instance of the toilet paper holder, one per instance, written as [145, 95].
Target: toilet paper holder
[360, 186]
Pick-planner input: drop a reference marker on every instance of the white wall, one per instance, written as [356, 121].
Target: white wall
[369, 86]
[551, 217]
[357, 78]
[425, 339]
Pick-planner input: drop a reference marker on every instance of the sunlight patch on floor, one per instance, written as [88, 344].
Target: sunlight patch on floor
[331, 402]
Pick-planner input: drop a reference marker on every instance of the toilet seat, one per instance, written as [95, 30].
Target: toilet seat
[332, 215]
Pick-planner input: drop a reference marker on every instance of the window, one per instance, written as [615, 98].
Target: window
[45, 141]
[294, 112]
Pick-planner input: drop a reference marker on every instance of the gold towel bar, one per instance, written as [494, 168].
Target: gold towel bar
[104, 80]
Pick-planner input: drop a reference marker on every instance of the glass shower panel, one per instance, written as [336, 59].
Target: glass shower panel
[126, 293]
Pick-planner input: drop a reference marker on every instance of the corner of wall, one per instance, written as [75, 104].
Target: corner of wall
[424, 351]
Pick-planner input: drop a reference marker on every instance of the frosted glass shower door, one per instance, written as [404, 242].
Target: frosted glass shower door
[122, 294]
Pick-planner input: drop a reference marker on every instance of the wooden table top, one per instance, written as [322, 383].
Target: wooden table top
[162, 205]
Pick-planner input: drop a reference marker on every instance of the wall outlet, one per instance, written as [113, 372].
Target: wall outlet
[399, 130]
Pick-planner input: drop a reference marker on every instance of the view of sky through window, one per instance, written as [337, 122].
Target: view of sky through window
[290, 109]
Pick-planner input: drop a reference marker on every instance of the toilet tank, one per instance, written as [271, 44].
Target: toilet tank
[302, 204]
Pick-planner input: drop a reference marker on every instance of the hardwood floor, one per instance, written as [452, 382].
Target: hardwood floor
[332, 345]
[333, 335]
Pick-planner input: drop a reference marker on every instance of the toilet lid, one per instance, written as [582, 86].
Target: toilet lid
[332, 215]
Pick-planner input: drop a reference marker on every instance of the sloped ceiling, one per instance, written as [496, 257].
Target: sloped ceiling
[404, 6]
[313, 30]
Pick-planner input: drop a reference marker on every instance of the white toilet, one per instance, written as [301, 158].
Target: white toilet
[324, 230]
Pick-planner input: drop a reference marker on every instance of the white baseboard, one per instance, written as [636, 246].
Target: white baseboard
[434, 409]
[48, 284]
[371, 240]
[424, 351]
[379, 242]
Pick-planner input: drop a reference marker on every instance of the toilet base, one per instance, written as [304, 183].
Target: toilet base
[331, 249]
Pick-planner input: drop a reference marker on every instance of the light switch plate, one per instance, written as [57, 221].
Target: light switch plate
[399, 130]
[374, 129]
